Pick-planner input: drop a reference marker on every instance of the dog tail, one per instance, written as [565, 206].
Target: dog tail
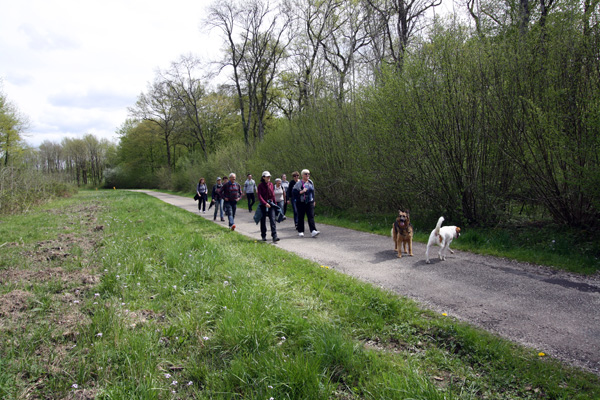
[439, 226]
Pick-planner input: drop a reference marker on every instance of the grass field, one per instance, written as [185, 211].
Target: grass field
[116, 295]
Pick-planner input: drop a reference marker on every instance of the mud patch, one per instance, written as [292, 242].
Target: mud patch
[13, 304]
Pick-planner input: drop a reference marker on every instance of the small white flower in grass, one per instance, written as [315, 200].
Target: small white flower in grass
[122, 304]
[174, 286]
[119, 264]
[167, 376]
[97, 295]
[76, 301]
[208, 312]
[74, 386]
[225, 283]
[118, 276]
[99, 334]
[270, 387]
[173, 391]
[190, 383]
[206, 338]
[95, 302]
[224, 307]
[138, 284]
[174, 383]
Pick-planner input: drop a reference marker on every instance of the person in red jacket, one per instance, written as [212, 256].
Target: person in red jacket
[266, 198]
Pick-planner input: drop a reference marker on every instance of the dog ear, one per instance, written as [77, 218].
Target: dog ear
[457, 231]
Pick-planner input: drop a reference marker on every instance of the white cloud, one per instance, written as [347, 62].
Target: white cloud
[73, 67]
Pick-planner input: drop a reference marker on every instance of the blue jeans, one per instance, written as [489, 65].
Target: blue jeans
[219, 207]
[230, 208]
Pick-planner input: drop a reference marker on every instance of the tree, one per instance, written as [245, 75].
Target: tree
[188, 92]
[398, 21]
[254, 55]
[12, 126]
[159, 107]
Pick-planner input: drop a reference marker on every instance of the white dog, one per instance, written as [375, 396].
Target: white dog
[442, 237]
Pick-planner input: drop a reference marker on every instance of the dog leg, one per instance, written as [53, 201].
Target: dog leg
[427, 255]
[410, 253]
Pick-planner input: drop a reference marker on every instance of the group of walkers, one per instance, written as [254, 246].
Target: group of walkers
[273, 200]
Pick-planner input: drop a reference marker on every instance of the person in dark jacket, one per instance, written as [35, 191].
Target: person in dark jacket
[304, 193]
[217, 198]
[289, 195]
[266, 198]
[232, 193]
[202, 193]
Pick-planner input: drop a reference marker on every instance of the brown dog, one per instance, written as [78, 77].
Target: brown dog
[402, 233]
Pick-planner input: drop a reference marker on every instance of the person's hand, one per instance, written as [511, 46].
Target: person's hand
[268, 205]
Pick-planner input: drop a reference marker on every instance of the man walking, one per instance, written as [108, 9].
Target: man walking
[232, 192]
[250, 189]
[217, 198]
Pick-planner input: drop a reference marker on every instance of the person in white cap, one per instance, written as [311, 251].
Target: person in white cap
[266, 199]
[304, 194]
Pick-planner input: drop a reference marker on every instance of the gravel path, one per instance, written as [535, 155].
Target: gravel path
[551, 311]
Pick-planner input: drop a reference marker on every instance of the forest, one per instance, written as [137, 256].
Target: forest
[488, 114]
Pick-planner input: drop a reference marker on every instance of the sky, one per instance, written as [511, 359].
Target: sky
[73, 67]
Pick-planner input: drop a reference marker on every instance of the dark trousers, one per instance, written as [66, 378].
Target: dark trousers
[295, 210]
[307, 209]
[267, 212]
[202, 202]
[251, 200]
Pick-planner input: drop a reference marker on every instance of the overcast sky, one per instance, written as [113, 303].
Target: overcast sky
[74, 66]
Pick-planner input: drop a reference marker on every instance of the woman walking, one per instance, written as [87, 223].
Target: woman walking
[304, 194]
[279, 191]
[202, 192]
[266, 198]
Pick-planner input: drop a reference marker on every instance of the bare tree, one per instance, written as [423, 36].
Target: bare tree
[187, 88]
[344, 39]
[254, 55]
[399, 20]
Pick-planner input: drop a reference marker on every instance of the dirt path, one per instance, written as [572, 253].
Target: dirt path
[554, 312]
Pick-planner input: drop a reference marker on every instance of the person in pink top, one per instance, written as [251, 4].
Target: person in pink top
[266, 198]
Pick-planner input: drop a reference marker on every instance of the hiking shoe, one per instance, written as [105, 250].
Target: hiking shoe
[222, 219]
[314, 233]
[233, 227]
[264, 239]
[275, 239]
[301, 234]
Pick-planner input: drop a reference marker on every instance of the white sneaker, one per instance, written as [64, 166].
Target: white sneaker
[314, 233]
[301, 234]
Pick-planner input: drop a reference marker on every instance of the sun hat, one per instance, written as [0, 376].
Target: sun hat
[266, 173]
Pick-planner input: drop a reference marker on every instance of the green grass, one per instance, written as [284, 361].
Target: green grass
[161, 300]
